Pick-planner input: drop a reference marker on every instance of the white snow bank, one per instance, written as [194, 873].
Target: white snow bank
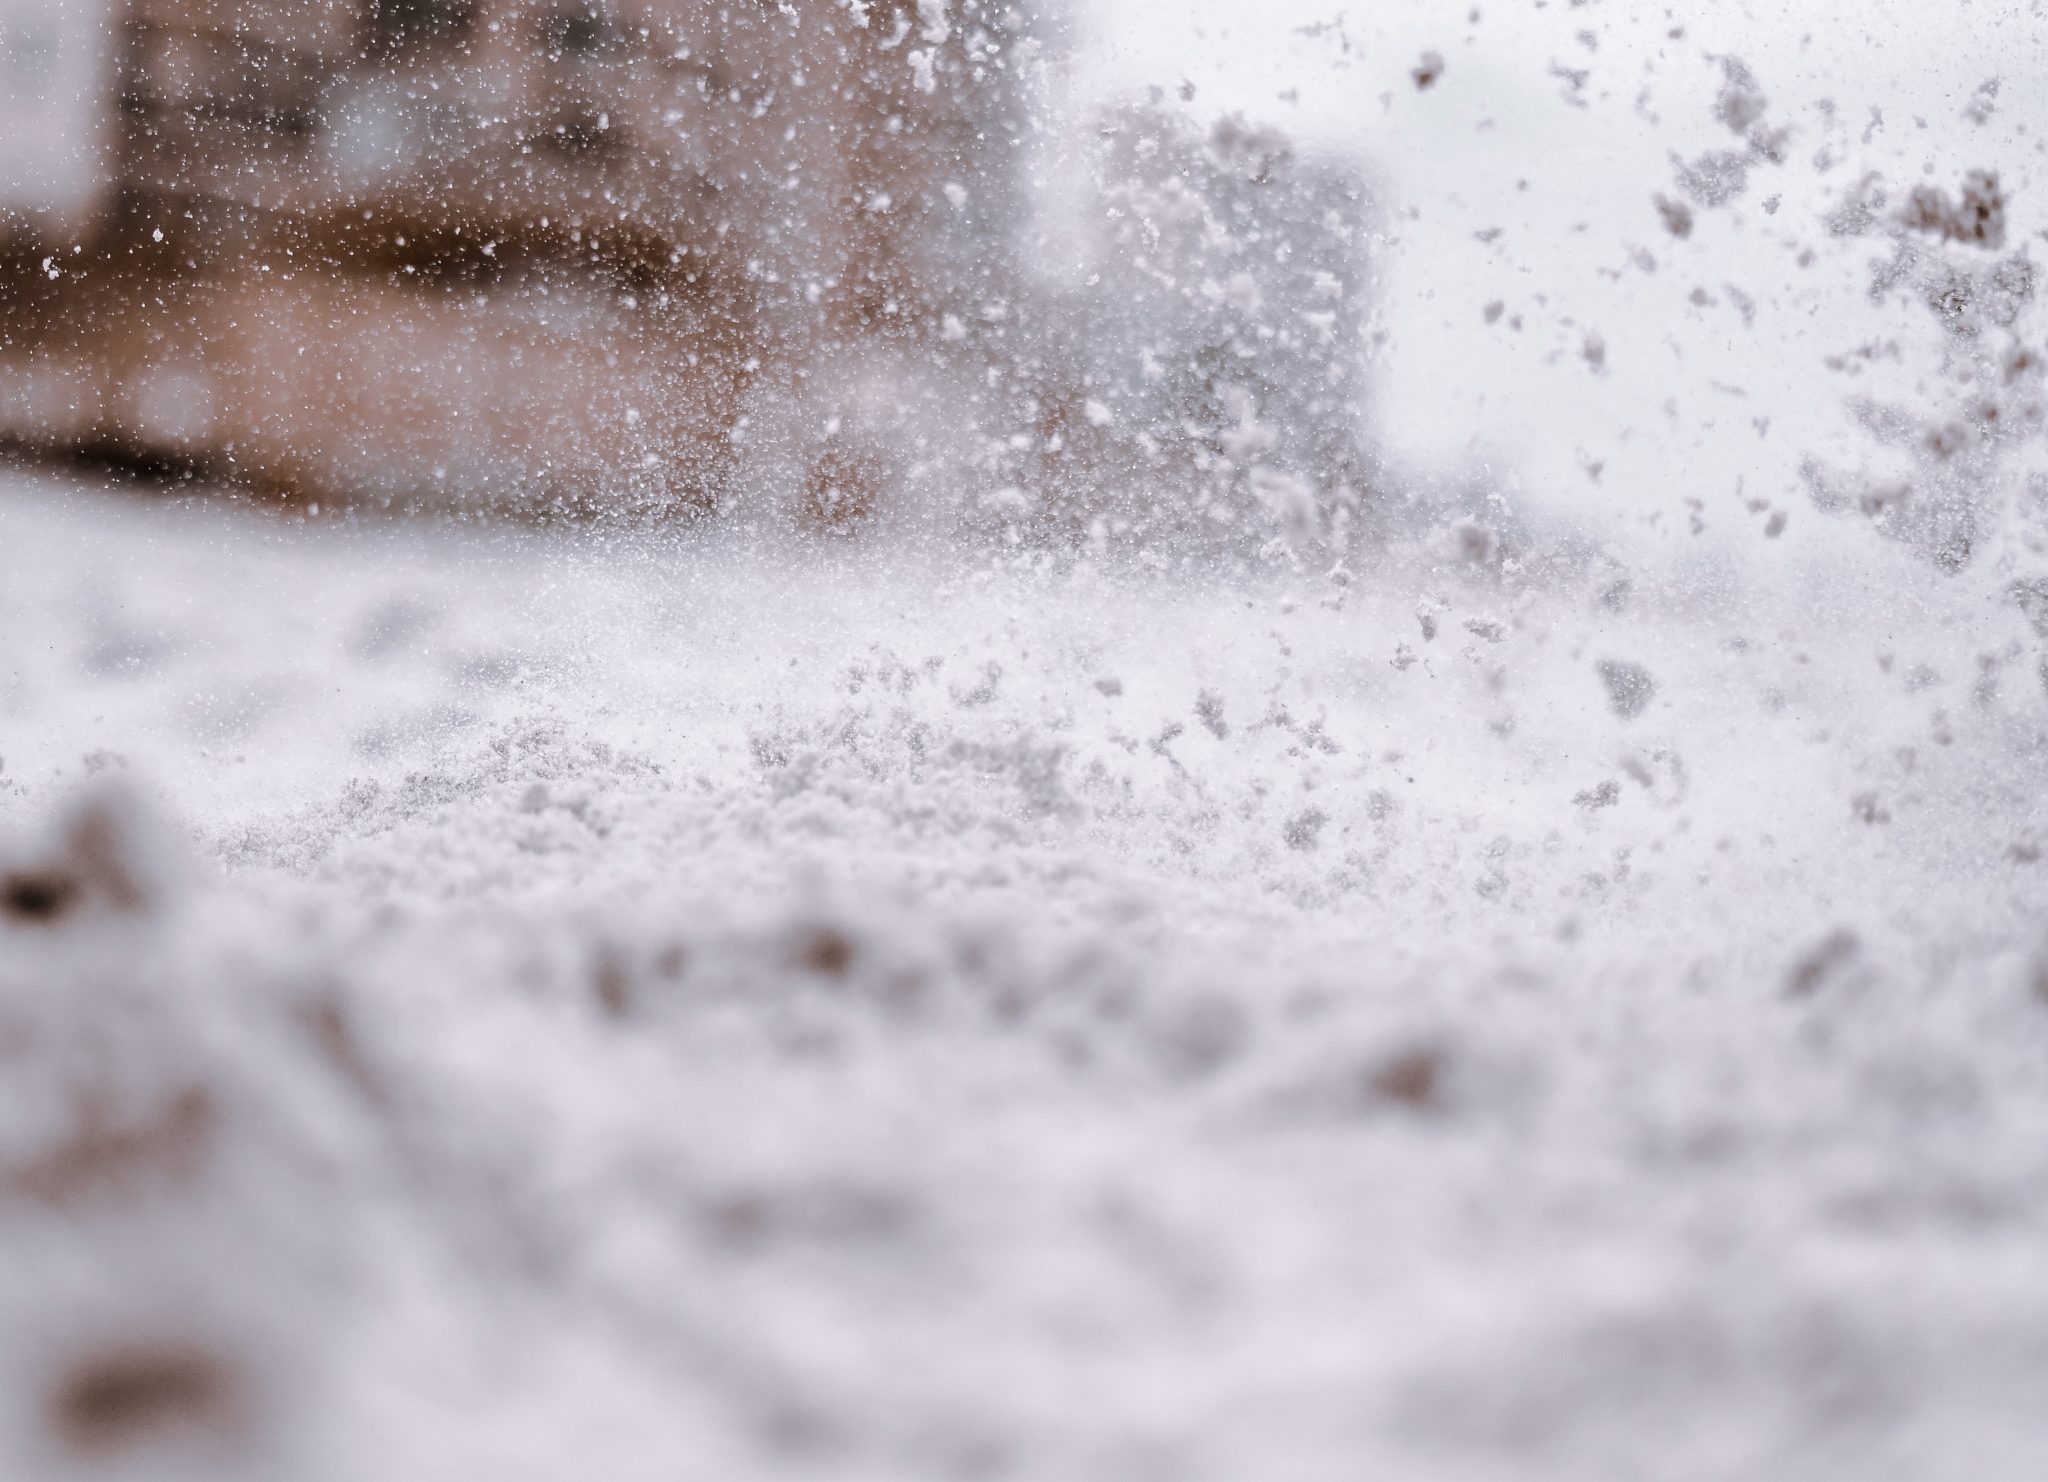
[642, 1008]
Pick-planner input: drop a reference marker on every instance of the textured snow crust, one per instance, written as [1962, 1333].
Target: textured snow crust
[539, 1004]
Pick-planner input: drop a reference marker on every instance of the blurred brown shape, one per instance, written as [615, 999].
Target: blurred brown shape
[125, 1396]
[104, 1155]
[457, 251]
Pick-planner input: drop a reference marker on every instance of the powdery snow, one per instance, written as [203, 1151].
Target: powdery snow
[533, 1004]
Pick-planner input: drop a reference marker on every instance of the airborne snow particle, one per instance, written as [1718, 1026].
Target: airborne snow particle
[1469, 541]
[1823, 961]
[1304, 828]
[1983, 103]
[1629, 687]
[1976, 220]
[1715, 178]
[2032, 597]
[1677, 216]
[1606, 795]
[1741, 104]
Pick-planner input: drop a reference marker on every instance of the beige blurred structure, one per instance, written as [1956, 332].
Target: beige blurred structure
[440, 251]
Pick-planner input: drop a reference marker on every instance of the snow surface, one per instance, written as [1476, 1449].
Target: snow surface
[481, 1002]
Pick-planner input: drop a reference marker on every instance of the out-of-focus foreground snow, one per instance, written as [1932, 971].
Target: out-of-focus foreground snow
[527, 1005]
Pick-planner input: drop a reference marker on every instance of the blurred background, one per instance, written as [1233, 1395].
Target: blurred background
[1523, 228]
[677, 258]
[442, 253]
[965, 739]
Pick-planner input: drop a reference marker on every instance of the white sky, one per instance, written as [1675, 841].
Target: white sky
[1455, 392]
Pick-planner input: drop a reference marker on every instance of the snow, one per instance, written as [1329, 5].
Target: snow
[638, 1002]
[1352, 802]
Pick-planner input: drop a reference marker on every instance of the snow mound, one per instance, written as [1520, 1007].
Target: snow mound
[1435, 1022]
